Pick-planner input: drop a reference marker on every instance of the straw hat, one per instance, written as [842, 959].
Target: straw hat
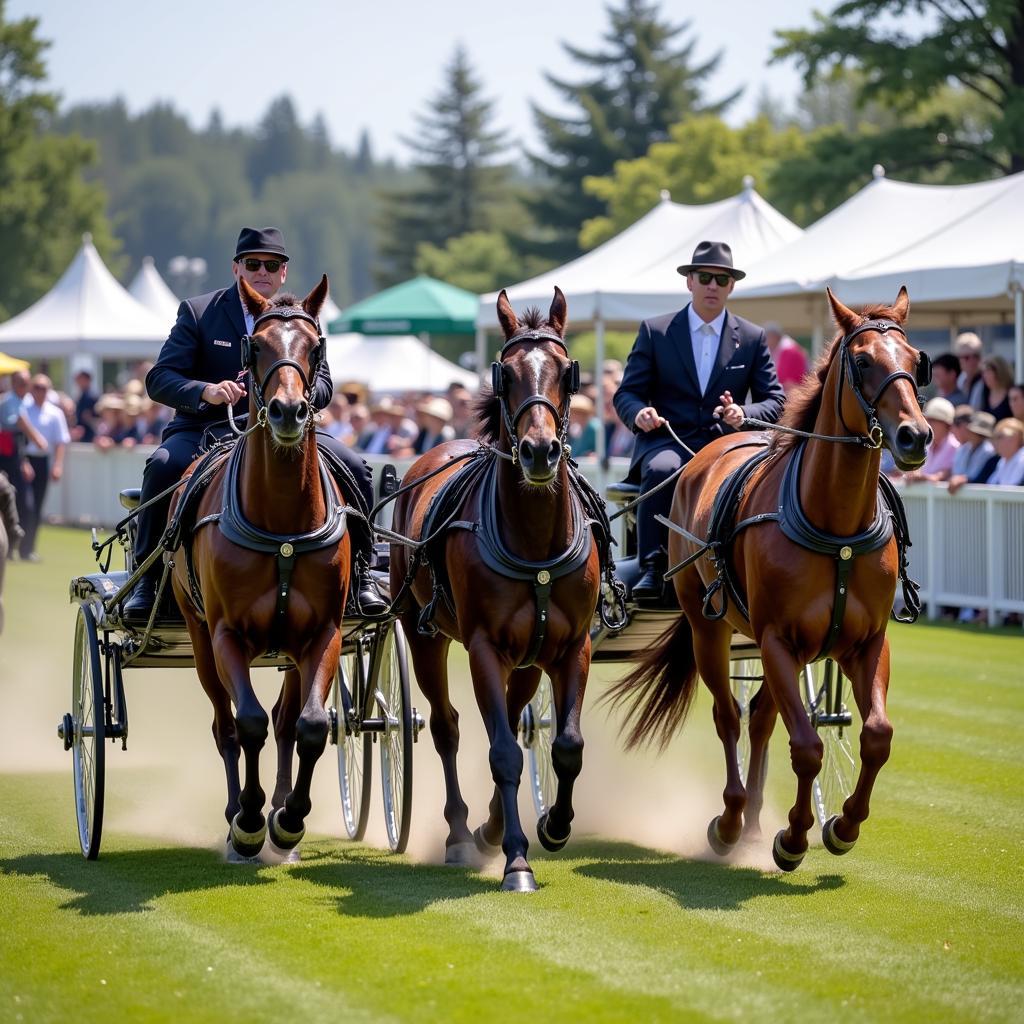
[982, 424]
[939, 409]
[110, 402]
[386, 404]
[580, 403]
[440, 408]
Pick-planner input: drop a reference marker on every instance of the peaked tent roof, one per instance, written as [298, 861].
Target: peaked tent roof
[86, 311]
[419, 305]
[393, 364]
[633, 275]
[149, 288]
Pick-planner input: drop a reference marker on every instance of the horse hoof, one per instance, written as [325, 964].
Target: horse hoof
[783, 858]
[487, 849]
[519, 881]
[281, 837]
[246, 844]
[547, 840]
[715, 841]
[274, 854]
[462, 855]
[831, 841]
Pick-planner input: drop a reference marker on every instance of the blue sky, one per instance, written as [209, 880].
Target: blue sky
[371, 64]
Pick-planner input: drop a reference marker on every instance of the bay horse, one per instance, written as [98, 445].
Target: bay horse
[514, 577]
[804, 560]
[271, 575]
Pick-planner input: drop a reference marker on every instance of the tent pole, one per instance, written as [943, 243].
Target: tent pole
[481, 352]
[1018, 332]
[602, 455]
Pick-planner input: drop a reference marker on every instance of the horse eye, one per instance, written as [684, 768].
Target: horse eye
[863, 363]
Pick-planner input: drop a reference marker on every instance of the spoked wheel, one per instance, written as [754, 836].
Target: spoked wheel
[537, 726]
[83, 732]
[745, 678]
[830, 707]
[393, 705]
[355, 756]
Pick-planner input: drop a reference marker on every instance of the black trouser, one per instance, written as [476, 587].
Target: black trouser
[652, 537]
[11, 465]
[37, 488]
[167, 463]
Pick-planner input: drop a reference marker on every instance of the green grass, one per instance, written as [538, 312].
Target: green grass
[922, 921]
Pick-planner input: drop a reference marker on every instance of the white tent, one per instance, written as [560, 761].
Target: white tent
[329, 313]
[87, 312]
[958, 248]
[149, 288]
[392, 364]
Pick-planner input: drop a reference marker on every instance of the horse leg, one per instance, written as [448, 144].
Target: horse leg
[490, 677]
[285, 713]
[317, 670]
[763, 713]
[248, 827]
[805, 749]
[225, 735]
[869, 677]
[569, 684]
[522, 685]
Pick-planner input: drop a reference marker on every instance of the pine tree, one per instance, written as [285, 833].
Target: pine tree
[641, 83]
[461, 179]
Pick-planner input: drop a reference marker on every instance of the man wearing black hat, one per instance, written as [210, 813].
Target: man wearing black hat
[198, 375]
[693, 369]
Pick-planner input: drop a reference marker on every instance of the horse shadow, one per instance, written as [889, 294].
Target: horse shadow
[361, 881]
[693, 884]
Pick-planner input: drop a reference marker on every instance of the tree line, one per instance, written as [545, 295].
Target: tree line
[939, 99]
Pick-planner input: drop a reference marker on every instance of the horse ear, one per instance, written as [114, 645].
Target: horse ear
[251, 299]
[558, 315]
[844, 317]
[506, 315]
[315, 300]
[901, 307]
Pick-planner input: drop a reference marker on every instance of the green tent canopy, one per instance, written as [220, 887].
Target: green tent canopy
[419, 306]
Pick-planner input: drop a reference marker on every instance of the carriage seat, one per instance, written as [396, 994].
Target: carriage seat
[621, 492]
[130, 497]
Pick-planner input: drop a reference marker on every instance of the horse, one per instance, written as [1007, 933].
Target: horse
[513, 575]
[271, 577]
[804, 559]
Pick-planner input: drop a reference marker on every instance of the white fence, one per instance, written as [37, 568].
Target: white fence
[968, 549]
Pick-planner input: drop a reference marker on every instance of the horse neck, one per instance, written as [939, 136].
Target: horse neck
[838, 482]
[535, 522]
[281, 490]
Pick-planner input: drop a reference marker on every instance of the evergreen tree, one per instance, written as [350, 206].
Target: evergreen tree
[281, 145]
[45, 205]
[642, 82]
[460, 177]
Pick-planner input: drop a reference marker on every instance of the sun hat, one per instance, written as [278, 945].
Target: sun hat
[940, 409]
[982, 423]
[440, 408]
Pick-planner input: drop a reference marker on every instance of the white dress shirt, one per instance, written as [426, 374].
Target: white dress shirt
[705, 339]
[49, 420]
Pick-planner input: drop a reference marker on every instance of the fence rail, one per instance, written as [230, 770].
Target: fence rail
[968, 548]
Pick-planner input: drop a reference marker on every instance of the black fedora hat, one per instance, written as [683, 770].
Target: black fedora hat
[260, 240]
[717, 255]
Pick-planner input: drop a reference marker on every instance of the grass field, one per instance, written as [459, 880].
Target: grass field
[634, 921]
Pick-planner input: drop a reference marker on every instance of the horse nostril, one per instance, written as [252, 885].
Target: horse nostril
[526, 453]
[554, 452]
[911, 440]
[275, 410]
[302, 411]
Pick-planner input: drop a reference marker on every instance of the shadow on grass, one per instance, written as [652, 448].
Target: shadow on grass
[694, 884]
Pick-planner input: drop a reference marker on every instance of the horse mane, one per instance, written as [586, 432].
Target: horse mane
[803, 403]
[284, 299]
[486, 406]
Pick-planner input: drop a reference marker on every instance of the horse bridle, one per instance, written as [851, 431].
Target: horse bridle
[848, 367]
[561, 416]
[251, 351]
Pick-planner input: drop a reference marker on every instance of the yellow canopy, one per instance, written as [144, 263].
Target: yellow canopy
[8, 364]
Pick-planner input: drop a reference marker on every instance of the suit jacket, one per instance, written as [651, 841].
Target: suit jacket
[661, 372]
[204, 347]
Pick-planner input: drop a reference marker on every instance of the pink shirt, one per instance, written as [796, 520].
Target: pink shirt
[940, 457]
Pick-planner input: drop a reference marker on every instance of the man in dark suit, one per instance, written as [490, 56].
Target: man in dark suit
[198, 373]
[693, 369]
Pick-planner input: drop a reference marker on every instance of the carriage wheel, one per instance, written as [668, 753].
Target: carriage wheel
[355, 756]
[826, 692]
[537, 725]
[83, 731]
[392, 697]
[745, 678]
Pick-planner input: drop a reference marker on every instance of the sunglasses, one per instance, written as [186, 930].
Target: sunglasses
[252, 265]
[720, 279]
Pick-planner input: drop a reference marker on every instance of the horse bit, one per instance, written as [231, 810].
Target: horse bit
[561, 416]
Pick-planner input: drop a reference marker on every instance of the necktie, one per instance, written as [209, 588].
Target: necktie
[707, 341]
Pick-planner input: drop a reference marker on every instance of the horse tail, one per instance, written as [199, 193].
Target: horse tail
[658, 693]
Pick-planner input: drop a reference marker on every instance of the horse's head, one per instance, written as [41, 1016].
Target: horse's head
[879, 376]
[282, 356]
[533, 381]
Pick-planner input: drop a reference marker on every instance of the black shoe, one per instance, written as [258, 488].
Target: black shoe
[136, 609]
[651, 585]
[368, 600]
